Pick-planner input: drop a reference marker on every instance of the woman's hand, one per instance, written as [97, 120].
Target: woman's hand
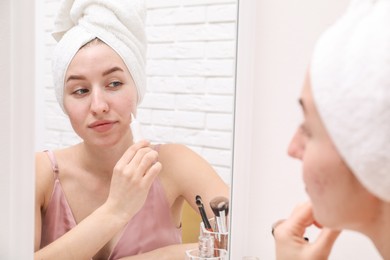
[290, 241]
[132, 178]
[172, 252]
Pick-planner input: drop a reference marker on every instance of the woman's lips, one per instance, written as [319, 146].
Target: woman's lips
[102, 125]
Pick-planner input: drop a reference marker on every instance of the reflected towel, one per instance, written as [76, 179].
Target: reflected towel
[118, 23]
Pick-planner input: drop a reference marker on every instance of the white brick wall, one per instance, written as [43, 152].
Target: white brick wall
[190, 69]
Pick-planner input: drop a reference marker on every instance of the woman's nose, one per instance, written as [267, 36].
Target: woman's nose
[296, 146]
[99, 102]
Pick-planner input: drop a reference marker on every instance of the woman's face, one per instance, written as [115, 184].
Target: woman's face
[338, 198]
[99, 95]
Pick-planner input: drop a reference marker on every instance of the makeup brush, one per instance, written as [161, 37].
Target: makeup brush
[135, 129]
[220, 207]
[202, 212]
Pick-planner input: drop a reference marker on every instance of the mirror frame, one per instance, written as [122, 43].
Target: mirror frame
[17, 70]
[243, 127]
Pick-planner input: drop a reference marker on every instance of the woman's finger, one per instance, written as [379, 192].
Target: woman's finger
[276, 224]
[130, 153]
[300, 219]
[151, 174]
[142, 162]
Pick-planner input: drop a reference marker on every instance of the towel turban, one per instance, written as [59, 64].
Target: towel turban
[118, 23]
[350, 79]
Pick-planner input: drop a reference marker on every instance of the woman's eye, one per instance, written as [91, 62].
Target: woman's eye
[81, 91]
[115, 84]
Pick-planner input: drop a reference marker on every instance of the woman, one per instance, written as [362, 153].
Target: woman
[344, 141]
[109, 197]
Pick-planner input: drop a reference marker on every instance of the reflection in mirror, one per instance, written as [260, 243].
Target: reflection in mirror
[190, 81]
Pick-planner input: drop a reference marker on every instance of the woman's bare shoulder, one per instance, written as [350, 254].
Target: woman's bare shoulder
[180, 161]
[44, 175]
[172, 151]
[42, 165]
[44, 178]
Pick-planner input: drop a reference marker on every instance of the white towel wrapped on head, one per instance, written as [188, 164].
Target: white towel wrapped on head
[350, 79]
[118, 23]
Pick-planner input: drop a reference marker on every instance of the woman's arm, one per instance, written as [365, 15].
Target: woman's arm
[191, 175]
[130, 183]
[185, 174]
[86, 239]
[173, 252]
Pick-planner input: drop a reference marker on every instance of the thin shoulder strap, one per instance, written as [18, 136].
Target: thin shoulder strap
[54, 164]
[156, 147]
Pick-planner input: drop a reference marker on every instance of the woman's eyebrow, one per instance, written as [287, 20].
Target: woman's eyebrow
[109, 71]
[105, 73]
[302, 104]
[75, 77]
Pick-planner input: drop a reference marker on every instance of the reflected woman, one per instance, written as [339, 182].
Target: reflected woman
[344, 141]
[109, 197]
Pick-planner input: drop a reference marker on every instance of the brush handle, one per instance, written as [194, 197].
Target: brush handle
[203, 214]
[135, 129]
[222, 220]
[206, 222]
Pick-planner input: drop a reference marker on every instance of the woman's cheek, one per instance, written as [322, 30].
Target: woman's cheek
[314, 174]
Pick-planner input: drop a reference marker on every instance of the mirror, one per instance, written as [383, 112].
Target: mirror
[276, 40]
[190, 79]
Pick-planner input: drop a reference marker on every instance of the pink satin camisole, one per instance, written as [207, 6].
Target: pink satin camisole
[151, 228]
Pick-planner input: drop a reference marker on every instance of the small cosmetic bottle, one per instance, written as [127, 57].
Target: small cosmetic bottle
[206, 250]
[206, 246]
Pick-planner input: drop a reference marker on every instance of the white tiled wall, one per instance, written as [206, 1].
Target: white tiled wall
[191, 76]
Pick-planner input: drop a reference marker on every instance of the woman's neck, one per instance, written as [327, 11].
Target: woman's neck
[101, 160]
[380, 233]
